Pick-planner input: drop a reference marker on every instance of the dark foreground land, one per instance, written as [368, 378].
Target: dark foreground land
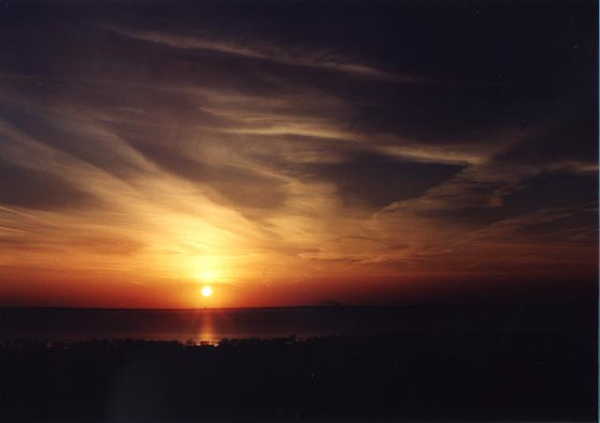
[515, 375]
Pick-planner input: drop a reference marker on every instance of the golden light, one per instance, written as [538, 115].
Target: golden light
[208, 276]
[206, 291]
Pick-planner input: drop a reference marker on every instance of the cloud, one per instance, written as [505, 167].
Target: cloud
[111, 245]
[38, 189]
[270, 52]
[239, 186]
[553, 189]
[61, 133]
[550, 226]
[572, 140]
[96, 245]
[376, 180]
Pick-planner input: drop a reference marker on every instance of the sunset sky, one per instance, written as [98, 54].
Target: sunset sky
[294, 152]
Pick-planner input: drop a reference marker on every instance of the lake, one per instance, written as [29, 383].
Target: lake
[212, 325]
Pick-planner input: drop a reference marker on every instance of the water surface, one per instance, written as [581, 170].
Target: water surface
[212, 325]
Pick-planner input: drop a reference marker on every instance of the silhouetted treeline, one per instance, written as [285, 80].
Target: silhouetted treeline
[531, 376]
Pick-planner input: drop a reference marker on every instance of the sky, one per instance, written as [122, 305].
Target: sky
[294, 152]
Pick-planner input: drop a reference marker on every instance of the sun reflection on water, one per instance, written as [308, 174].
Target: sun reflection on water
[207, 334]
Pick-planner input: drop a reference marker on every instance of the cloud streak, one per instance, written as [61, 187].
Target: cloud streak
[322, 60]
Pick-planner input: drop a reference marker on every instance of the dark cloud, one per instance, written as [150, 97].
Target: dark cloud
[377, 180]
[444, 114]
[578, 226]
[550, 189]
[38, 189]
[460, 38]
[78, 56]
[53, 132]
[571, 139]
[474, 217]
[470, 75]
[554, 189]
[484, 74]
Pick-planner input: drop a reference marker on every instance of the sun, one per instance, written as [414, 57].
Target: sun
[206, 291]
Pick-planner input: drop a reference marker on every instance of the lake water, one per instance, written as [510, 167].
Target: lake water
[205, 325]
[212, 325]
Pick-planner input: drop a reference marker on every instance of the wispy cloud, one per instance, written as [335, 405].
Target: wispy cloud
[323, 60]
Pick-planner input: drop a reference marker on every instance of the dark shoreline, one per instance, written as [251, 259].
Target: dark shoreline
[474, 377]
[519, 361]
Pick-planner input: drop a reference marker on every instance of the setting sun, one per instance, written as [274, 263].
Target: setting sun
[206, 291]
